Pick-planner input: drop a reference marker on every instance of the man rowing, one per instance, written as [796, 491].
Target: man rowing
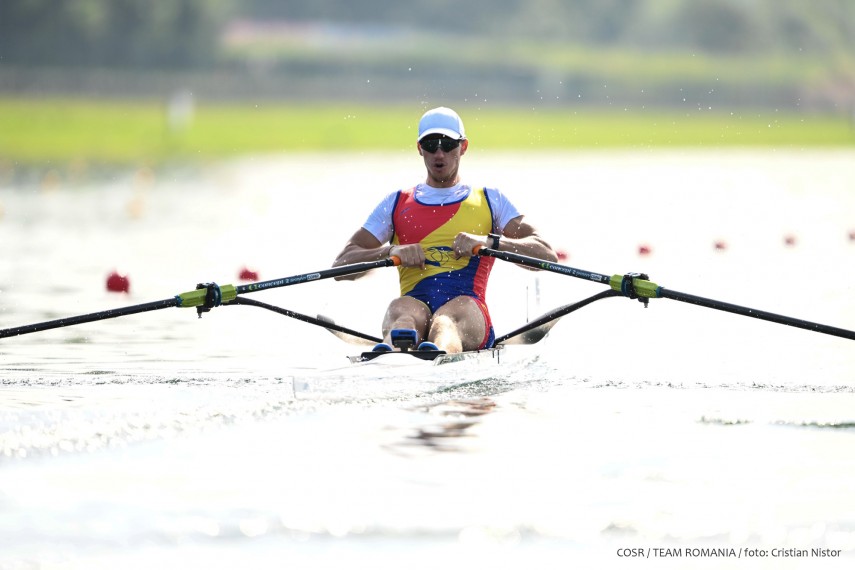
[433, 229]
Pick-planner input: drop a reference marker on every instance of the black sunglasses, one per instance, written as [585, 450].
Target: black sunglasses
[445, 143]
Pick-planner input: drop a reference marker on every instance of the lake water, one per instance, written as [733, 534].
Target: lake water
[242, 440]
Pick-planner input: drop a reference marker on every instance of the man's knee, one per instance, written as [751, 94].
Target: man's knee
[460, 309]
[463, 318]
[406, 312]
[403, 306]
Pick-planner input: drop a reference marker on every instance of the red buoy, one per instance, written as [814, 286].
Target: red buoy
[118, 282]
[644, 249]
[852, 235]
[789, 240]
[247, 274]
[562, 255]
[720, 245]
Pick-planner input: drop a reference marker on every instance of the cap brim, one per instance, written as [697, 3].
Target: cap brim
[447, 132]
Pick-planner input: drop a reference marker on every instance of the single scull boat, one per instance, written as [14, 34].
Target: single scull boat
[637, 286]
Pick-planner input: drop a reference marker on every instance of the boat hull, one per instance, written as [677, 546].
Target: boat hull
[425, 357]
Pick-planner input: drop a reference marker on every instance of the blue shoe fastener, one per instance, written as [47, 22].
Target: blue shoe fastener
[404, 338]
[428, 346]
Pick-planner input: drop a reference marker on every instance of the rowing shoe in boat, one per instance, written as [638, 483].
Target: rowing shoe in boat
[429, 357]
[405, 339]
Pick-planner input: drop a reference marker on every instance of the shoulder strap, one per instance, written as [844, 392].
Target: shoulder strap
[408, 192]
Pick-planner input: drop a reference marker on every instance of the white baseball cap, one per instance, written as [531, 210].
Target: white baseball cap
[443, 121]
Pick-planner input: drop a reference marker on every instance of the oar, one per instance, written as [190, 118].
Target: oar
[347, 335]
[536, 330]
[637, 286]
[204, 297]
[344, 333]
[99, 316]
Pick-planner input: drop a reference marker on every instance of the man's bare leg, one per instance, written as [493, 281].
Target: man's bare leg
[458, 325]
[406, 313]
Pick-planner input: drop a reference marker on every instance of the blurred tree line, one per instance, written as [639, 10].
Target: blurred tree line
[715, 25]
[112, 33]
[186, 33]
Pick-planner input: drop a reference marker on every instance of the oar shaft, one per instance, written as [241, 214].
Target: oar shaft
[80, 319]
[542, 264]
[755, 313]
[227, 293]
[634, 285]
[554, 315]
[304, 318]
[200, 297]
[317, 275]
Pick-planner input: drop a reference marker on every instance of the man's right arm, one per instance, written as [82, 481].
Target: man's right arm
[363, 246]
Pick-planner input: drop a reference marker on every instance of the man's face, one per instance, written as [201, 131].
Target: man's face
[443, 163]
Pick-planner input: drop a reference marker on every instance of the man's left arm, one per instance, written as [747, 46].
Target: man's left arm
[518, 237]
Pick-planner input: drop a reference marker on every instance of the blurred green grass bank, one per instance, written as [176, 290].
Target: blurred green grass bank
[64, 130]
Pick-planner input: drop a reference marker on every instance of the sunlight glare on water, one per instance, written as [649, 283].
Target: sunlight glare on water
[244, 438]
